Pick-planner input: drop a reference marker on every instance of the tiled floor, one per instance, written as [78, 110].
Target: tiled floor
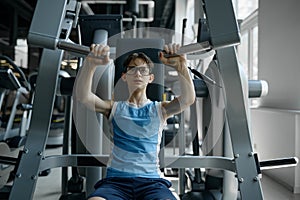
[49, 187]
[274, 191]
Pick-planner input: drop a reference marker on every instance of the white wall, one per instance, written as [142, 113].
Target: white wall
[276, 135]
[279, 52]
[275, 123]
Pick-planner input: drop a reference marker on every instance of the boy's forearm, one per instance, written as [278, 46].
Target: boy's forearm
[83, 89]
[187, 96]
[84, 82]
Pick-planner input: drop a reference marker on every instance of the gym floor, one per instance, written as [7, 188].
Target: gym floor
[49, 187]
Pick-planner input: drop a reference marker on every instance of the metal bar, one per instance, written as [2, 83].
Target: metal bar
[181, 146]
[75, 48]
[27, 173]
[8, 160]
[250, 186]
[212, 162]
[75, 160]
[85, 160]
[12, 116]
[28, 168]
[191, 48]
[66, 142]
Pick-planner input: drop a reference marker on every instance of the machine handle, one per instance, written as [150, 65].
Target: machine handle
[201, 47]
[76, 49]
[278, 163]
[81, 50]
[73, 47]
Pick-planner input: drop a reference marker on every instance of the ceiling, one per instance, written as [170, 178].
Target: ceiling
[16, 15]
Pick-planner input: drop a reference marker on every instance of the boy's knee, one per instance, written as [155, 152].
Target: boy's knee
[96, 198]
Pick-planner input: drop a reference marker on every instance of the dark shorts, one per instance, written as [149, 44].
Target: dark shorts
[133, 189]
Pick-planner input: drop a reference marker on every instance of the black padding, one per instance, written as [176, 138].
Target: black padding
[66, 85]
[155, 91]
[255, 88]
[200, 88]
[17, 70]
[8, 80]
[91, 23]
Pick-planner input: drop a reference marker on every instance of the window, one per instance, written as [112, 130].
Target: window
[248, 49]
[244, 52]
[247, 12]
[244, 8]
[254, 72]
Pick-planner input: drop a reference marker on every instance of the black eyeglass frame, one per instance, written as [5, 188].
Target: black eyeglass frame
[136, 55]
[128, 68]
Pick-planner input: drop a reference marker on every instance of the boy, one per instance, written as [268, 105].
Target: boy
[133, 169]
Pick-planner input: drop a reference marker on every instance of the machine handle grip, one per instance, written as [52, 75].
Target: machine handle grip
[73, 47]
[279, 163]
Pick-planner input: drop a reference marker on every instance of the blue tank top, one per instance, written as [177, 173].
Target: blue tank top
[136, 140]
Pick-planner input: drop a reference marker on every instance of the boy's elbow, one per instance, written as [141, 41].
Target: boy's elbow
[82, 96]
[81, 99]
[191, 101]
[87, 102]
[192, 98]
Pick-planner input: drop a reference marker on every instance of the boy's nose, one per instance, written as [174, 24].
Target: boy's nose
[137, 72]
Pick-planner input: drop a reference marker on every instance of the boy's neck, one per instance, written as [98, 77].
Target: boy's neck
[138, 99]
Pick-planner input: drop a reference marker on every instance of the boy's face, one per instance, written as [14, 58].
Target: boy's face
[138, 74]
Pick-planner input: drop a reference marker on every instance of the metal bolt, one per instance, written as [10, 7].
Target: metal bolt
[33, 177]
[250, 154]
[25, 150]
[255, 178]
[240, 180]
[39, 153]
[18, 175]
[236, 155]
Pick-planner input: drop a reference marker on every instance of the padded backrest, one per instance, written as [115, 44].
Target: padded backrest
[149, 46]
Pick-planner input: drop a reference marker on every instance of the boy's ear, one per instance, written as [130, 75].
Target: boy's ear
[151, 78]
[123, 77]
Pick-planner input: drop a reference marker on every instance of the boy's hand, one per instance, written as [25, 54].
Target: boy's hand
[173, 60]
[99, 54]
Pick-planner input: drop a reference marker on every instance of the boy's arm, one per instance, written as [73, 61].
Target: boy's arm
[99, 57]
[187, 91]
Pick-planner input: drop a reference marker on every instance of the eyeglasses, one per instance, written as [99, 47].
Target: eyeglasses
[144, 71]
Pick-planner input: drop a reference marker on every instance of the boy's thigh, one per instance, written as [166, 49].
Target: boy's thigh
[155, 189]
[109, 189]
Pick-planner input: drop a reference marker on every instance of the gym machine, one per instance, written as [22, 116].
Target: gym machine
[12, 79]
[13, 129]
[53, 37]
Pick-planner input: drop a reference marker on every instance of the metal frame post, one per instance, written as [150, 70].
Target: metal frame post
[32, 155]
[246, 169]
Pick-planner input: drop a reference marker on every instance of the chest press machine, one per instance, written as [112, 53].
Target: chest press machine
[53, 37]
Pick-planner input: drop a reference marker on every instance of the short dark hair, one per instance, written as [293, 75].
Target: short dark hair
[140, 55]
